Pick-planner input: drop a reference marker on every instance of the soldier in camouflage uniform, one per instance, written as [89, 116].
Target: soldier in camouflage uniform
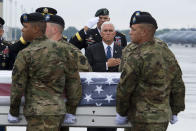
[55, 27]
[127, 49]
[22, 43]
[44, 73]
[151, 90]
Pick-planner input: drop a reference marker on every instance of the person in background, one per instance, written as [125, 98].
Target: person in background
[104, 56]
[44, 69]
[4, 49]
[151, 91]
[88, 36]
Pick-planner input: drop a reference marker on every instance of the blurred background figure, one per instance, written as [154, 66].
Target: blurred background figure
[88, 36]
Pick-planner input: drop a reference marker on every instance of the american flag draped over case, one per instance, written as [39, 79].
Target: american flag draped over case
[98, 89]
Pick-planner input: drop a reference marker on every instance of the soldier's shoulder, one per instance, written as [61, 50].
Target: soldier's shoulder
[64, 38]
[131, 46]
[160, 42]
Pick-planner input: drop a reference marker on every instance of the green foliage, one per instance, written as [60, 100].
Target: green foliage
[70, 31]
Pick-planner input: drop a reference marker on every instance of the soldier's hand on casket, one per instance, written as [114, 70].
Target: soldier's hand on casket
[13, 119]
[121, 119]
[92, 22]
[174, 119]
[69, 118]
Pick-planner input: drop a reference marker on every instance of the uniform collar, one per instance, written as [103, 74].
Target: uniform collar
[41, 38]
[63, 39]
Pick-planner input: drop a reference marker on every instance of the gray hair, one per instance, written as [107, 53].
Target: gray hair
[107, 23]
[59, 27]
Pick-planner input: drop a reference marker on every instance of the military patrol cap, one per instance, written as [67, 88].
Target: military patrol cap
[2, 22]
[46, 10]
[139, 17]
[55, 19]
[32, 17]
[102, 11]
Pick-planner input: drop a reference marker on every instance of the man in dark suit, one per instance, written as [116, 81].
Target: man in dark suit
[104, 56]
[89, 35]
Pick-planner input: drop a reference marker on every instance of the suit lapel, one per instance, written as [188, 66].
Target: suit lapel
[102, 51]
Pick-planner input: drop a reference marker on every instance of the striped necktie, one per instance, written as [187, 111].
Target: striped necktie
[109, 55]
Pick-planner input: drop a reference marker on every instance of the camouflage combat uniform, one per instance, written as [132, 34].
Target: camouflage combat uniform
[82, 62]
[127, 50]
[152, 82]
[44, 73]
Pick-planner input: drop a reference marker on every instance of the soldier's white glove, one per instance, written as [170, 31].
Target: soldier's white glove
[121, 119]
[13, 119]
[174, 119]
[69, 118]
[92, 22]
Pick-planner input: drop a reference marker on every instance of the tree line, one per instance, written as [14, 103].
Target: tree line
[178, 36]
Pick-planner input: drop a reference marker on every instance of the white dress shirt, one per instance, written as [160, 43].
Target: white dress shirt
[105, 48]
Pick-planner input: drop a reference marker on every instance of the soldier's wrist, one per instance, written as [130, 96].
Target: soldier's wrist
[71, 109]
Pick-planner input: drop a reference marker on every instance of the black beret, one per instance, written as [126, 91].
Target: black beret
[139, 17]
[32, 17]
[55, 19]
[46, 10]
[102, 11]
[2, 22]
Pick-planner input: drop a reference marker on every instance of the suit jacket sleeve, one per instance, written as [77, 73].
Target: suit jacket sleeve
[92, 56]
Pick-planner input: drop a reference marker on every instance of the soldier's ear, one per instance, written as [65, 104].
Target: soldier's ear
[108, 18]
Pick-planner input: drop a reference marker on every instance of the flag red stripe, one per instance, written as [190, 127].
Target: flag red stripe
[5, 89]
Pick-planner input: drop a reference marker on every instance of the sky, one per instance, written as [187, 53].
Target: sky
[168, 13]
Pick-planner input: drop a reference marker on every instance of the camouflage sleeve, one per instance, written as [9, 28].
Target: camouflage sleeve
[19, 80]
[126, 86]
[79, 39]
[73, 86]
[177, 95]
[122, 61]
[83, 65]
